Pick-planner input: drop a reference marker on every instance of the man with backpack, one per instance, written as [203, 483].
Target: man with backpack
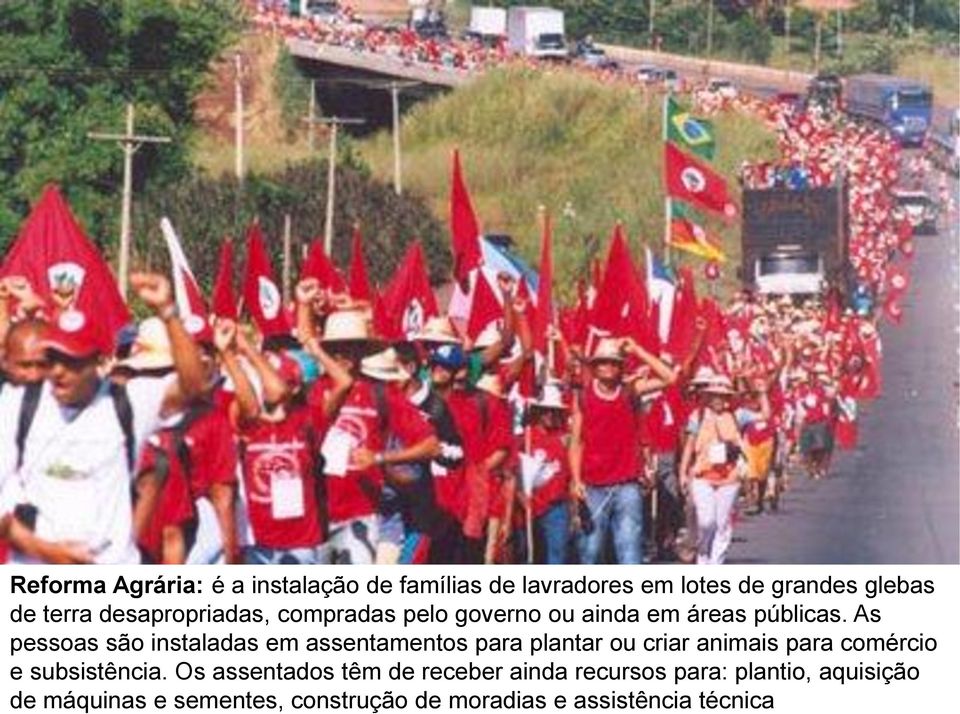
[68, 447]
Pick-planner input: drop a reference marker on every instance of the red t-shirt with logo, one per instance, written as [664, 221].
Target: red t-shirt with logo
[664, 419]
[611, 448]
[280, 483]
[817, 406]
[551, 446]
[357, 493]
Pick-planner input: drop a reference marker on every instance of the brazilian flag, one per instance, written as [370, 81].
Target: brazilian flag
[689, 132]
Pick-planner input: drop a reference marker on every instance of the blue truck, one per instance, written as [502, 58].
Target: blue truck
[903, 106]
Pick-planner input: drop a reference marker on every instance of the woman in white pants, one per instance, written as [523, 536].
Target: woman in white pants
[708, 469]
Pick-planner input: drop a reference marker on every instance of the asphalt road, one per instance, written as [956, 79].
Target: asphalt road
[896, 499]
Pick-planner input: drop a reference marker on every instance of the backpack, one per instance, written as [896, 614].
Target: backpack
[121, 406]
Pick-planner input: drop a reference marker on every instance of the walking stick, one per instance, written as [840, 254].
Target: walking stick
[528, 508]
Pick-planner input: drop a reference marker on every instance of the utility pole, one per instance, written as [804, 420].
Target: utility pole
[395, 88]
[652, 13]
[710, 29]
[312, 115]
[238, 116]
[334, 123]
[130, 142]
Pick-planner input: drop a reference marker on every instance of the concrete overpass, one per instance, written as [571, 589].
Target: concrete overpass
[370, 66]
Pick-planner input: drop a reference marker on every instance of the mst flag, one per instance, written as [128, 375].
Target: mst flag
[260, 293]
[687, 234]
[689, 132]
[55, 255]
[690, 179]
[464, 228]
[407, 302]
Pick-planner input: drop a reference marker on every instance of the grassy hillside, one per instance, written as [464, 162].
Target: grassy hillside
[589, 152]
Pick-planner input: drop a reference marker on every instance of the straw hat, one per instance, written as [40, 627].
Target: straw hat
[489, 336]
[384, 367]
[438, 330]
[607, 349]
[491, 384]
[551, 397]
[151, 347]
[704, 375]
[349, 329]
[720, 384]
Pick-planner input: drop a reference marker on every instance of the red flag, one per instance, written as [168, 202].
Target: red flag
[484, 307]
[318, 265]
[898, 280]
[260, 293]
[544, 314]
[692, 180]
[407, 300]
[464, 228]
[621, 306]
[190, 302]
[52, 252]
[359, 282]
[224, 301]
[685, 311]
[893, 309]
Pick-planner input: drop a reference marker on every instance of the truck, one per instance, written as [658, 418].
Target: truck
[944, 145]
[794, 241]
[536, 32]
[903, 106]
[487, 24]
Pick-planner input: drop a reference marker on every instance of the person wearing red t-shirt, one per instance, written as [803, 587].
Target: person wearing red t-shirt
[278, 450]
[498, 453]
[360, 439]
[545, 476]
[605, 458]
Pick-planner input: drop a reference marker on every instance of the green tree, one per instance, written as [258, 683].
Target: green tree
[68, 67]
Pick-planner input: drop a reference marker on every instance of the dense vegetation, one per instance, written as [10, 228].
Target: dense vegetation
[68, 67]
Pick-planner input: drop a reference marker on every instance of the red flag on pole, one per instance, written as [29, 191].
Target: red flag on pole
[692, 180]
[484, 307]
[260, 293]
[893, 309]
[54, 254]
[543, 317]
[318, 265]
[464, 227]
[224, 301]
[407, 301]
[359, 282]
[190, 301]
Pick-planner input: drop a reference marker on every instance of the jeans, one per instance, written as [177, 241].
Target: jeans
[714, 506]
[551, 536]
[354, 542]
[670, 506]
[258, 555]
[616, 511]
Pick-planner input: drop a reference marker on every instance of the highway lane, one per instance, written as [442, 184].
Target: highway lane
[895, 499]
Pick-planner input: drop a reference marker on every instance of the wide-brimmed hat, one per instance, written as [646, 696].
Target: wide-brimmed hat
[439, 330]
[349, 330]
[703, 375]
[720, 385]
[607, 350]
[384, 367]
[551, 397]
[491, 384]
[490, 335]
[151, 347]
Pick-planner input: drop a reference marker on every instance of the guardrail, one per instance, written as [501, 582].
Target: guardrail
[706, 68]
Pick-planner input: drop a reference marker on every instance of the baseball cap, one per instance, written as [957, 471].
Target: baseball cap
[448, 356]
[75, 334]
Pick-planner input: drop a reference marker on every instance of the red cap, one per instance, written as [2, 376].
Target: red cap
[287, 367]
[76, 335]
